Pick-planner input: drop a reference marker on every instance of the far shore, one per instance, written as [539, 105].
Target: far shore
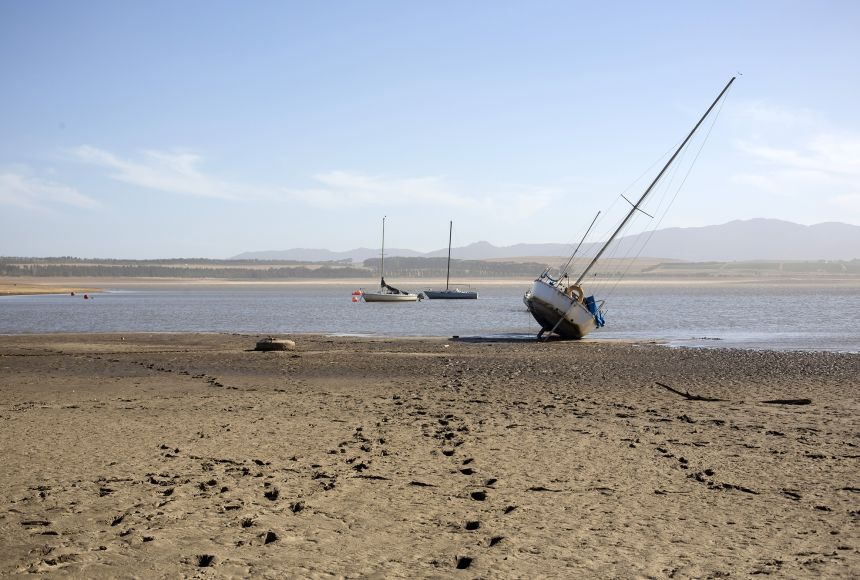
[12, 286]
[31, 289]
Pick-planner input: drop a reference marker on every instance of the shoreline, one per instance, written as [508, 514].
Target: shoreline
[706, 344]
[34, 286]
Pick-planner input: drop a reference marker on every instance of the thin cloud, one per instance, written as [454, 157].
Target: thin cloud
[797, 154]
[761, 112]
[179, 172]
[24, 191]
[170, 172]
[822, 153]
[344, 189]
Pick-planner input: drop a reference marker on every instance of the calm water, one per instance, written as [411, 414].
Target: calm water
[785, 318]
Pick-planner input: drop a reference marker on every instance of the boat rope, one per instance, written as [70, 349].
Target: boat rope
[650, 234]
[563, 270]
[610, 226]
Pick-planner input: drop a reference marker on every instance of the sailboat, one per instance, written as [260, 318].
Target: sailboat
[564, 308]
[450, 293]
[387, 293]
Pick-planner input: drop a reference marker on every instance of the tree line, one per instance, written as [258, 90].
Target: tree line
[395, 267]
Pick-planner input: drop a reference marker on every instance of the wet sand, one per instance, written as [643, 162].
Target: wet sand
[166, 455]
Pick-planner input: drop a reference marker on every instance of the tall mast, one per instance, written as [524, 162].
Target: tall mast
[382, 255]
[653, 183]
[448, 275]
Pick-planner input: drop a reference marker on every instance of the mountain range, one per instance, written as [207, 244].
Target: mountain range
[754, 239]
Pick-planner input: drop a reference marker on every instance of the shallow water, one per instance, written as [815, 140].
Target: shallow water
[766, 317]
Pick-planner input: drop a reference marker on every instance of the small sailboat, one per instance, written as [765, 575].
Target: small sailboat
[450, 293]
[564, 308]
[387, 293]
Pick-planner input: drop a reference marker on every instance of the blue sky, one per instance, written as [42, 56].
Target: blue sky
[205, 129]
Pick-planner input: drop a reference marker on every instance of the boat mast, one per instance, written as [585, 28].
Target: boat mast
[653, 183]
[564, 270]
[448, 275]
[382, 255]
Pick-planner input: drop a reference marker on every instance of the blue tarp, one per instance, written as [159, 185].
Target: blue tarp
[591, 304]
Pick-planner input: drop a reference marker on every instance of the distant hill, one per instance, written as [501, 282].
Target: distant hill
[755, 239]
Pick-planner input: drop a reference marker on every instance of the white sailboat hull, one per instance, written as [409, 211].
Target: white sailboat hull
[557, 312]
[382, 297]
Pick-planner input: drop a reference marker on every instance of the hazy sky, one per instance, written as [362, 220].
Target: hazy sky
[204, 129]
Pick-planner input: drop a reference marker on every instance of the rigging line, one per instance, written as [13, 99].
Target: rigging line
[690, 169]
[564, 270]
[602, 278]
[629, 186]
[661, 158]
[683, 181]
[561, 267]
[654, 181]
[639, 246]
[625, 261]
[666, 187]
[616, 247]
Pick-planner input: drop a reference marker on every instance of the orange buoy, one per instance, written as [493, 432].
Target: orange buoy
[357, 293]
[355, 298]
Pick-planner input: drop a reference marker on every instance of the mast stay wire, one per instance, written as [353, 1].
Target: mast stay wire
[634, 248]
[620, 196]
[662, 215]
[631, 253]
[614, 252]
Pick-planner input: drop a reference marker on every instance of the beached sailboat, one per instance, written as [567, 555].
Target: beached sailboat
[562, 307]
[450, 293]
[387, 293]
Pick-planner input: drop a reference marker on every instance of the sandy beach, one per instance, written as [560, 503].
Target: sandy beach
[8, 288]
[171, 455]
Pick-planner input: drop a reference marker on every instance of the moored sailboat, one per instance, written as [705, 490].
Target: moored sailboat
[386, 292]
[450, 293]
[564, 308]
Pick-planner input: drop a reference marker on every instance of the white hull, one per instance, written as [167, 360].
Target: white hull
[557, 312]
[382, 297]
